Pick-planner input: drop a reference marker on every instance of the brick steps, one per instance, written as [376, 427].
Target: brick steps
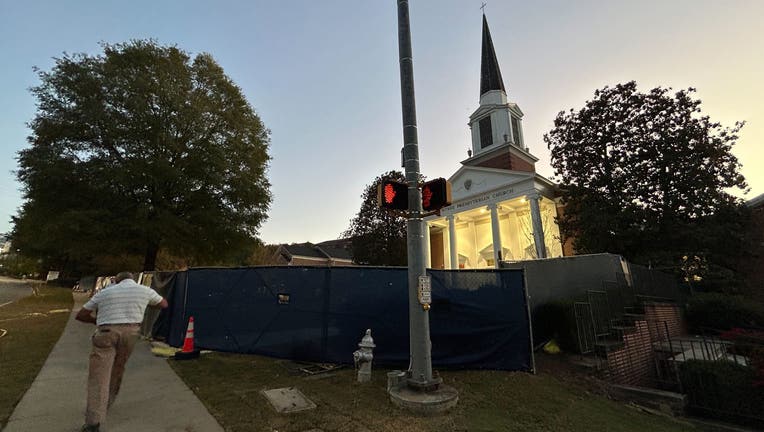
[633, 317]
[608, 345]
[624, 329]
[641, 330]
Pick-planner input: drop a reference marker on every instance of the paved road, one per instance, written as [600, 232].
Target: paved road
[13, 289]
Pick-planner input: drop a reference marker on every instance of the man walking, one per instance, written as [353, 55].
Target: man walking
[119, 313]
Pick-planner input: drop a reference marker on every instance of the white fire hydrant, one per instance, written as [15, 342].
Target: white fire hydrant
[363, 356]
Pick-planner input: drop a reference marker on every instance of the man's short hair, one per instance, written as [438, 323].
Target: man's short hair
[124, 275]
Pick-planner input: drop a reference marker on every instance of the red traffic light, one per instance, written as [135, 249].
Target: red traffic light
[436, 194]
[392, 195]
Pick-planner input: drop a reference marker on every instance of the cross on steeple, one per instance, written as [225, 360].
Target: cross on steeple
[482, 8]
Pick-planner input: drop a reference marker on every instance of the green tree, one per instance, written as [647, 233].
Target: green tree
[645, 175]
[262, 254]
[137, 149]
[378, 236]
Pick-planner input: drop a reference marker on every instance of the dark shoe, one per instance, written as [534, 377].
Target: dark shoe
[91, 428]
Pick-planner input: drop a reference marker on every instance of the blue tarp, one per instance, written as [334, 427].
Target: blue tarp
[478, 319]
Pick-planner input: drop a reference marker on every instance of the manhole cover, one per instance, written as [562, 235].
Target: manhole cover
[288, 399]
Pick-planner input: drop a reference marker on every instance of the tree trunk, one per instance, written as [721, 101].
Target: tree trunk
[150, 261]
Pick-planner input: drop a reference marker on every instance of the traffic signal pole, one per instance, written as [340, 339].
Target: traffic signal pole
[420, 366]
[416, 389]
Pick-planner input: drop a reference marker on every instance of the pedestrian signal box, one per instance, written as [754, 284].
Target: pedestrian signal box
[392, 195]
[436, 194]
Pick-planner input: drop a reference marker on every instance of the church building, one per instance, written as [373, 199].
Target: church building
[502, 210]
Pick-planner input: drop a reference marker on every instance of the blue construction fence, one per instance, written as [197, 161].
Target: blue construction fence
[479, 318]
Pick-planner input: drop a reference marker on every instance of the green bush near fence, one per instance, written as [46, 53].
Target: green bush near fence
[723, 389]
[556, 320]
[723, 312]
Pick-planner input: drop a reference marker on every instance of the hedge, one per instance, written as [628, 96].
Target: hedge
[723, 312]
[723, 389]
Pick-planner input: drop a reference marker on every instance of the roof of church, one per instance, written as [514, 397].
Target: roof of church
[756, 201]
[335, 249]
[339, 249]
[303, 249]
[490, 75]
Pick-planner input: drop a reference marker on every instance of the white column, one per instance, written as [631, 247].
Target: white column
[538, 229]
[427, 252]
[496, 234]
[452, 241]
[446, 248]
[474, 255]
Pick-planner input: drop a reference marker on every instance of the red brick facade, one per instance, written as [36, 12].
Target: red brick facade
[507, 161]
[752, 265]
[634, 363]
[666, 319]
[567, 245]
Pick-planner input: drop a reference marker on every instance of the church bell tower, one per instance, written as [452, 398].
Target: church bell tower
[496, 126]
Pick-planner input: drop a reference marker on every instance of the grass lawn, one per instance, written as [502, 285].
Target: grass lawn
[230, 385]
[32, 330]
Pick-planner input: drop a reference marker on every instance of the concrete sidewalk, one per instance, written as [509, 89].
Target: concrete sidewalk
[152, 398]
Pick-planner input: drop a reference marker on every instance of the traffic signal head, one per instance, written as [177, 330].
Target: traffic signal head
[436, 194]
[392, 195]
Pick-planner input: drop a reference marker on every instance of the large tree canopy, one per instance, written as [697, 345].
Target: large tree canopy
[138, 149]
[643, 174]
[378, 236]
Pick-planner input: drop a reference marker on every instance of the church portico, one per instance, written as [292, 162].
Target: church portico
[481, 231]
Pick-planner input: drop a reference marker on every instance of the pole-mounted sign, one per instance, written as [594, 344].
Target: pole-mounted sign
[424, 292]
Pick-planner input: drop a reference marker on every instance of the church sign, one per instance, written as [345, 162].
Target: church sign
[482, 198]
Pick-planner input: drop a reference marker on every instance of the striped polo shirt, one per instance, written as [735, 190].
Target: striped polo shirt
[122, 303]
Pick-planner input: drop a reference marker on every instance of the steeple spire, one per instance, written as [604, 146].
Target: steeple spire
[490, 75]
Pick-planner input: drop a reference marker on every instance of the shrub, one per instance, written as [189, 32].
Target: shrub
[722, 389]
[556, 320]
[720, 279]
[750, 344]
[720, 311]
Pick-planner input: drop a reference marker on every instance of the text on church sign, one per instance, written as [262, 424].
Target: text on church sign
[484, 198]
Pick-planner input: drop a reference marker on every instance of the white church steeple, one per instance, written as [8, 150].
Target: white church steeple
[497, 123]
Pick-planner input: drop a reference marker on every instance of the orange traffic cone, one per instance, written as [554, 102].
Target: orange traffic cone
[188, 342]
[188, 351]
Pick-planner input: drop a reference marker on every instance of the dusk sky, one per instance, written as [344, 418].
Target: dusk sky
[323, 76]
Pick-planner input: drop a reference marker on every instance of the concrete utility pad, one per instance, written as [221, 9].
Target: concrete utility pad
[288, 399]
[424, 403]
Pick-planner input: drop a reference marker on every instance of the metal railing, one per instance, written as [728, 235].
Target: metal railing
[714, 369]
[722, 373]
[649, 283]
[584, 327]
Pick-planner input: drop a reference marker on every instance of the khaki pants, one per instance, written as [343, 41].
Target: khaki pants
[112, 345]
